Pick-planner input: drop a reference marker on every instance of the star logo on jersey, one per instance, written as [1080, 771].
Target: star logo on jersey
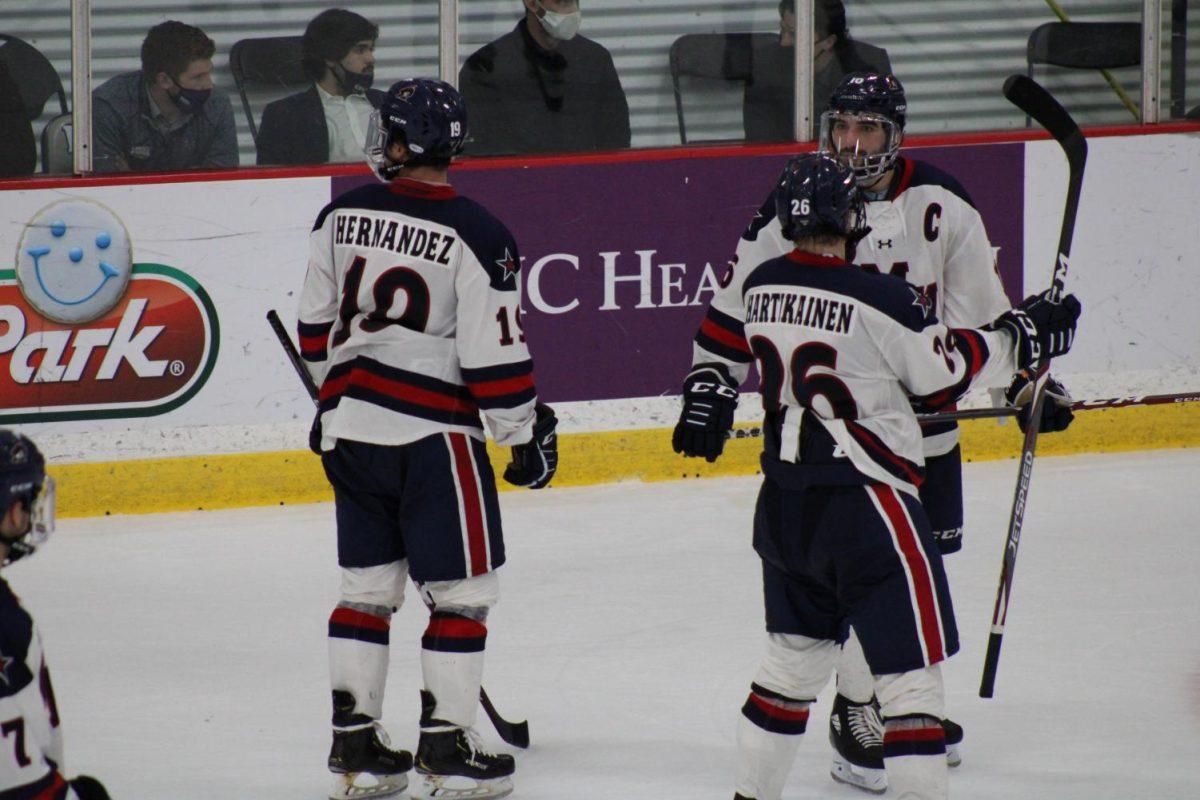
[922, 300]
[507, 266]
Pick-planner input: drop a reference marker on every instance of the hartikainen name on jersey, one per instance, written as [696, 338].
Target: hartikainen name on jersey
[362, 230]
[794, 308]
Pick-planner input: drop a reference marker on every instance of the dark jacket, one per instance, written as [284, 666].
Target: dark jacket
[768, 103]
[18, 153]
[293, 129]
[126, 133]
[522, 98]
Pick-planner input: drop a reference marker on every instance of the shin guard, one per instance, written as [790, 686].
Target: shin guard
[767, 738]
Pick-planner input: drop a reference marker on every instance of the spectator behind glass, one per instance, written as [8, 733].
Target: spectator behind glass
[328, 121]
[167, 116]
[18, 153]
[544, 88]
[768, 105]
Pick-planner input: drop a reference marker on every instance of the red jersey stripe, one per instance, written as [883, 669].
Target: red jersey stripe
[502, 386]
[725, 337]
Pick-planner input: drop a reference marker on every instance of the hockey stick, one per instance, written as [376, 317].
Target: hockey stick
[1035, 101]
[514, 733]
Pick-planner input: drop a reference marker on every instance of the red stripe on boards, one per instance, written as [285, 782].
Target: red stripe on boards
[910, 548]
[778, 712]
[359, 619]
[472, 504]
[725, 337]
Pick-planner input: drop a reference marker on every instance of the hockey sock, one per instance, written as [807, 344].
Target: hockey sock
[452, 665]
[358, 653]
[767, 738]
[914, 756]
[854, 679]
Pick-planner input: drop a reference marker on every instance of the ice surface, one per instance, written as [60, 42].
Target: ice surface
[188, 650]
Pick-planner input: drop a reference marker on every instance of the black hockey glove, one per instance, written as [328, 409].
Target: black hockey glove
[88, 788]
[710, 397]
[1041, 329]
[1056, 408]
[535, 462]
[314, 435]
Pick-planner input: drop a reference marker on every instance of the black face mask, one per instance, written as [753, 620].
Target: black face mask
[190, 100]
[353, 82]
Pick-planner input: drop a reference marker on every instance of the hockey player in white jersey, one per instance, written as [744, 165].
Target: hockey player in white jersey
[31, 746]
[409, 321]
[926, 230]
[839, 526]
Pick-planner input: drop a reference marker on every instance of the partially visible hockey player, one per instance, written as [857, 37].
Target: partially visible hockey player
[409, 322]
[839, 524]
[31, 753]
[926, 230]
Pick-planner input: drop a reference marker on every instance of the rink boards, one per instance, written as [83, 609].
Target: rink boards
[169, 392]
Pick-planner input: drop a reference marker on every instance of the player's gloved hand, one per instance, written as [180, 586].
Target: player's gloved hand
[710, 397]
[88, 788]
[314, 435]
[535, 462]
[1056, 408]
[1041, 329]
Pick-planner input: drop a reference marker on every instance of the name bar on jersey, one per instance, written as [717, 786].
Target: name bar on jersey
[795, 308]
[362, 230]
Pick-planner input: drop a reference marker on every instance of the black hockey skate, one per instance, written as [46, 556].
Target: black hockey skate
[954, 737]
[362, 758]
[453, 764]
[856, 733]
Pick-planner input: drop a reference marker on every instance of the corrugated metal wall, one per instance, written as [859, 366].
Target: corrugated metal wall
[952, 55]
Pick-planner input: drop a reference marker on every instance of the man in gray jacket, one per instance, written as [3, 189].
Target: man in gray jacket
[166, 116]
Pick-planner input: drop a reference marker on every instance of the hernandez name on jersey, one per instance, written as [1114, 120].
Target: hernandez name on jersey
[409, 318]
[925, 230]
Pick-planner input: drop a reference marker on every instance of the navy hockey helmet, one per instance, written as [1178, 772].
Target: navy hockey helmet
[865, 97]
[23, 480]
[817, 196]
[429, 116]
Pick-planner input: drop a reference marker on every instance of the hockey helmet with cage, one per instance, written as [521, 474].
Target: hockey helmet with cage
[866, 96]
[23, 480]
[428, 116]
[817, 196]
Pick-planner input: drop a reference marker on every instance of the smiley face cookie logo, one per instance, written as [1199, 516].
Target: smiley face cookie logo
[74, 261]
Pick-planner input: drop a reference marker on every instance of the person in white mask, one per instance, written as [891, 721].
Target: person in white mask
[544, 88]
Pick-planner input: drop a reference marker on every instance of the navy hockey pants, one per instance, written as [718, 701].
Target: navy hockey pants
[862, 555]
[432, 501]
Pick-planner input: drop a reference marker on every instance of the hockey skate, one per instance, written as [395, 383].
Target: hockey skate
[453, 764]
[362, 759]
[856, 733]
[954, 737]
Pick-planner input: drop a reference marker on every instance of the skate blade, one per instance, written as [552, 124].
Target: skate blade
[953, 757]
[869, 780]
[457, 787]
[365, 786]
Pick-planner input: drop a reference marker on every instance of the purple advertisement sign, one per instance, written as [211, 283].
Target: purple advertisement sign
[619, 260]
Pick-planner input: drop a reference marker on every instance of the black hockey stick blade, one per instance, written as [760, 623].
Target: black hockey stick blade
[1029, 96]
[293, 355]
[514, 733]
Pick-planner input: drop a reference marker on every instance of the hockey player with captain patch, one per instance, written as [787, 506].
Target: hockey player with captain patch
[31, 746]
[839, 526]
[409, 321]
[925, 230]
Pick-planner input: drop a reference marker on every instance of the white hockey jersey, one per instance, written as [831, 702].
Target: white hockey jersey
[31, 751]
[926, 231]
[850, 349]
[409, 318]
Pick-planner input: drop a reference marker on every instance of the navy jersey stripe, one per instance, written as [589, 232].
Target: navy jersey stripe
[882, 455]
[497, 372]
[926, 174]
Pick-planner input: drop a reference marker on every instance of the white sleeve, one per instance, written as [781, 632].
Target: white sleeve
[318, 301]
[973, 294]
[495, 361]
[939, 364]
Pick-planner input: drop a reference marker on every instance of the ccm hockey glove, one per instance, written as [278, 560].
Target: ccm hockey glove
[88, 788]
[709, 399]
[1056, 408]
[535, 462]
[1041, 329]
